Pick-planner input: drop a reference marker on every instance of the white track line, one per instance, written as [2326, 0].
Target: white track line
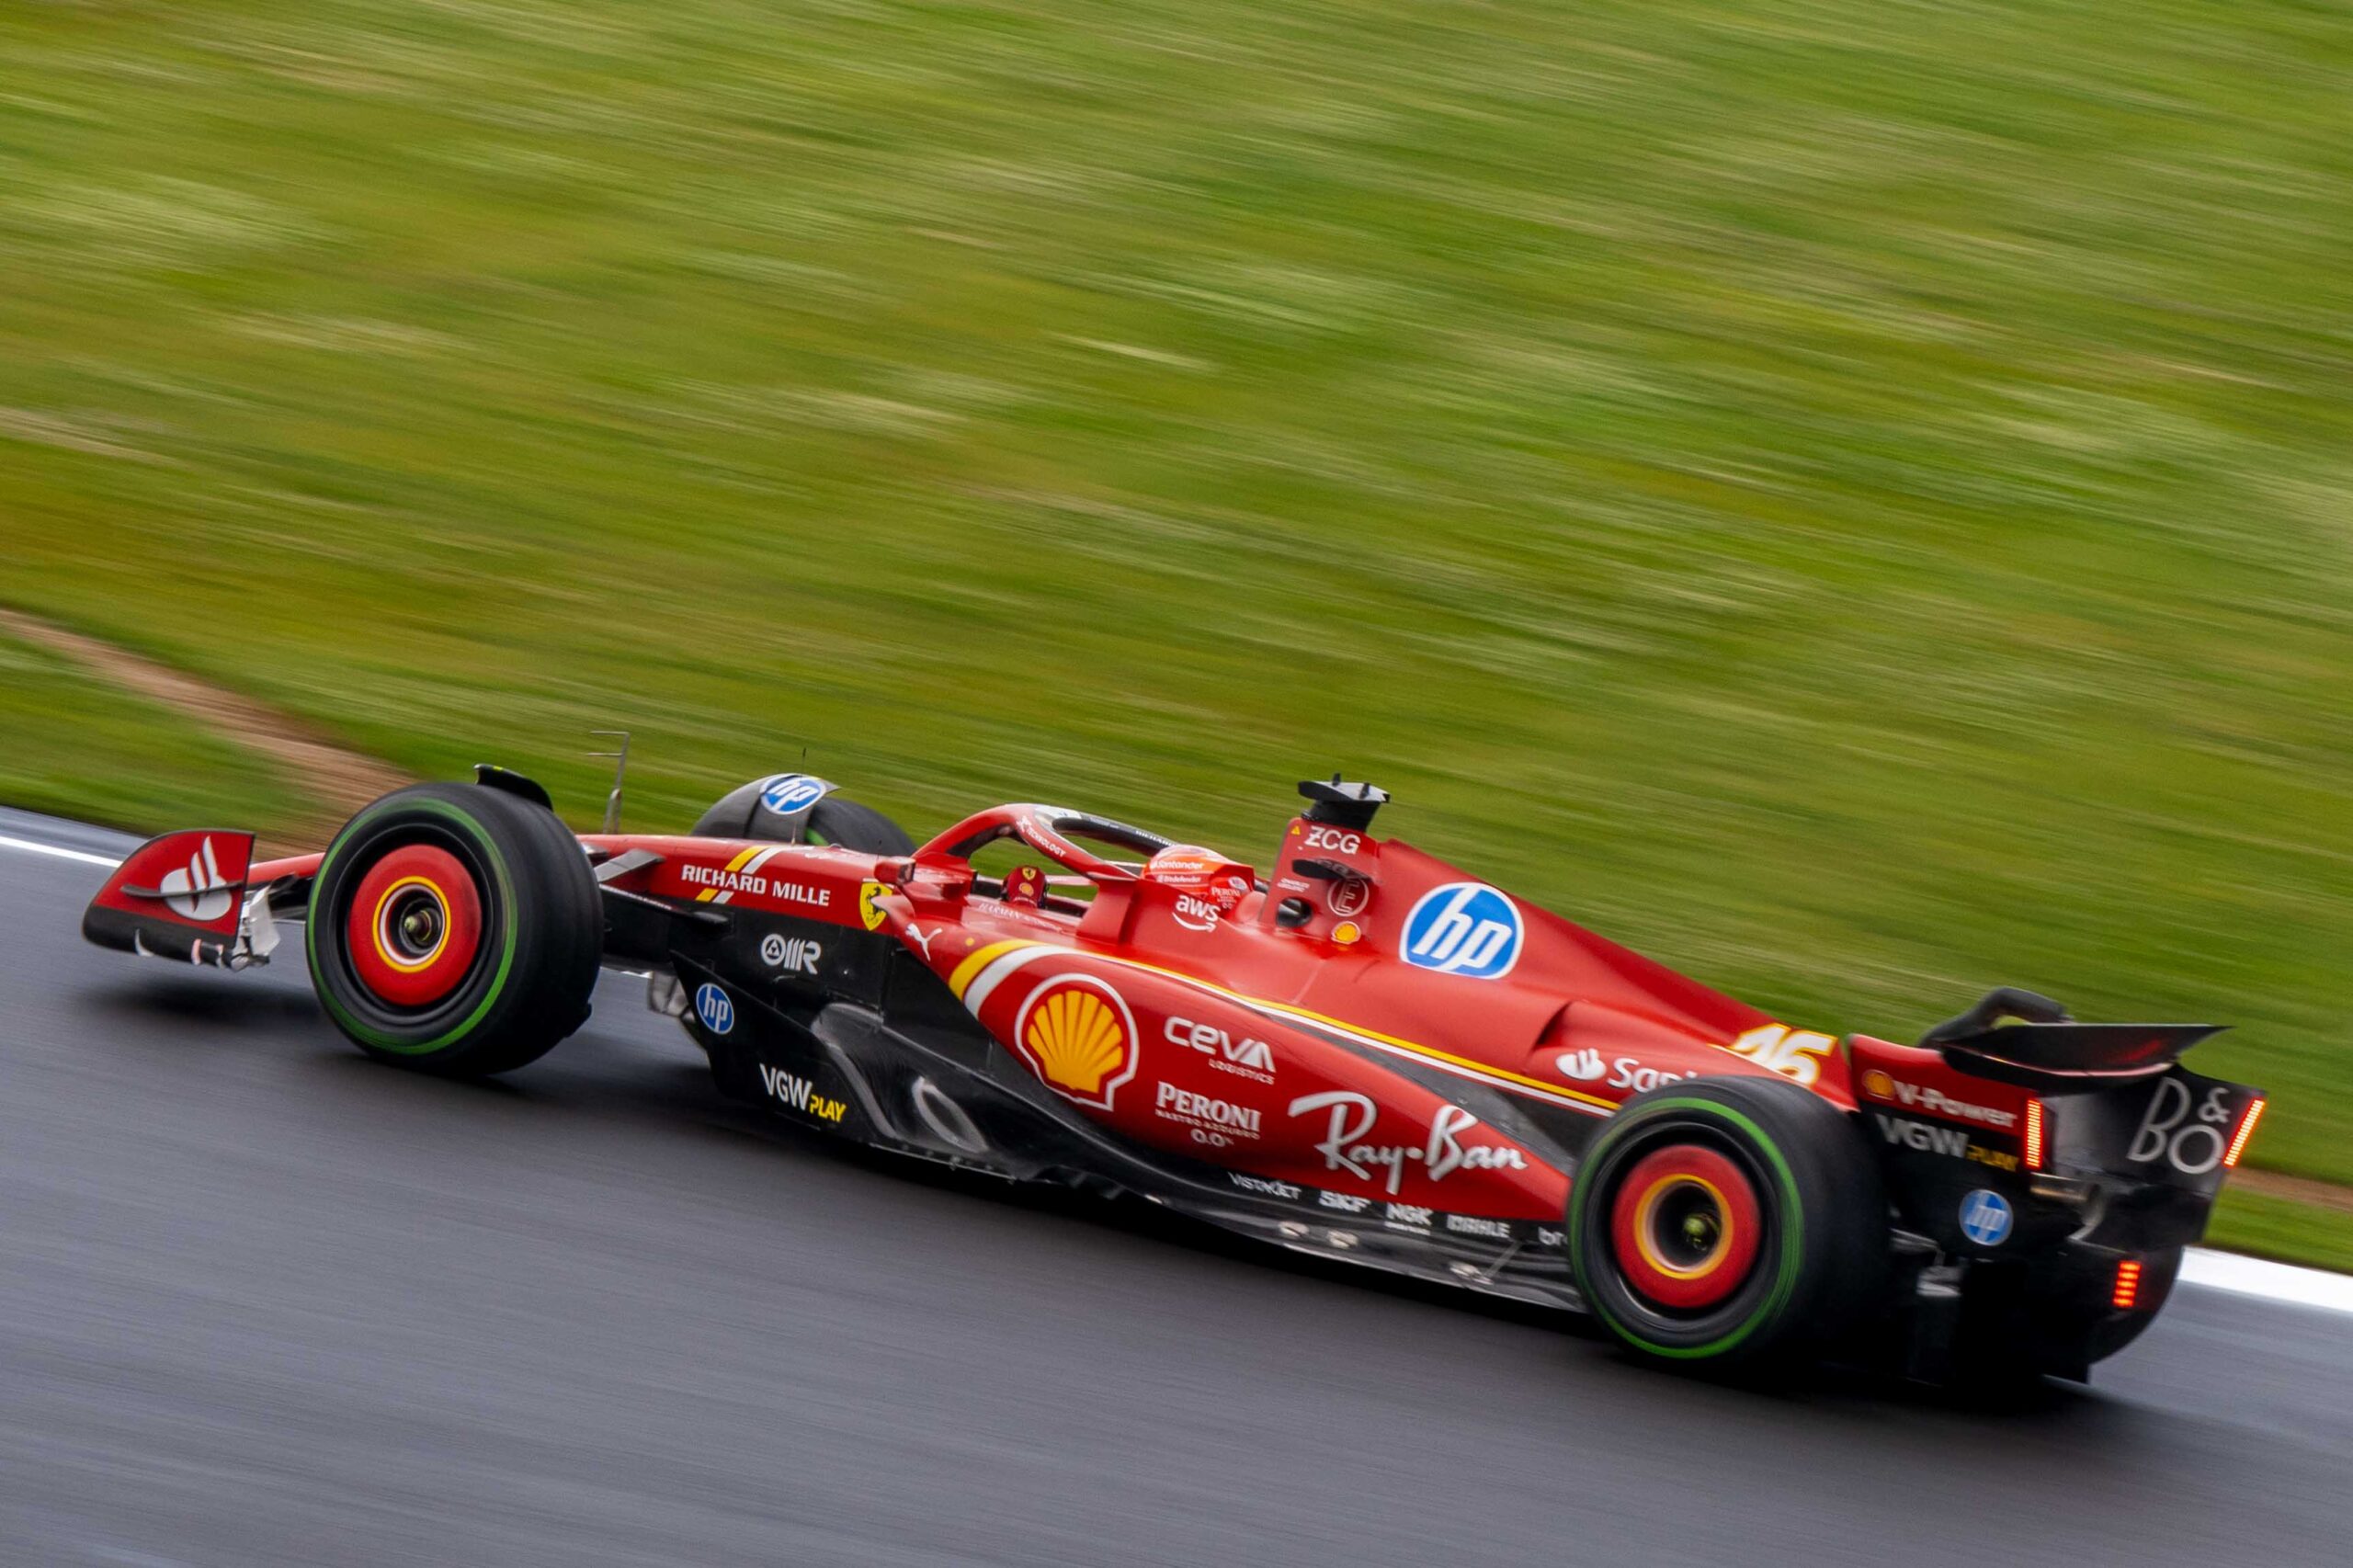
[30, 848]
[2215, 1270]
[2272, 1281]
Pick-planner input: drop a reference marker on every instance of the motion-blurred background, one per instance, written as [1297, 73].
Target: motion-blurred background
[1854, 498]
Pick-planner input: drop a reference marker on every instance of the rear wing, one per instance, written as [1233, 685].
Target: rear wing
[2096, 1131]
[190, 897]
[2020, 1037]
[2060, 1056]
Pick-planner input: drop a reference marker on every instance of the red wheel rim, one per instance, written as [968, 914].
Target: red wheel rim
[1686, 1225]
[414, 926]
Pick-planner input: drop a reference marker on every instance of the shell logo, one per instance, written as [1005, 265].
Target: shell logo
[1877, 1085]
[1077, 1033]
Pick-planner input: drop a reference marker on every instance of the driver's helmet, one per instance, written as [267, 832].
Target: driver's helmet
[1202, 872]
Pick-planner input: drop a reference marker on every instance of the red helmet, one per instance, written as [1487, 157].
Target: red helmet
[1202, 871]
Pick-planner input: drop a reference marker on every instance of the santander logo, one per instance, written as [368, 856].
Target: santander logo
[197, 890]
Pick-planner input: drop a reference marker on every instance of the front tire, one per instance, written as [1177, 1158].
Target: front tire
[455, 929]
[1728, 1223]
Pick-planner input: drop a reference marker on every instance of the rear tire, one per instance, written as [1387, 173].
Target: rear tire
[1729, 1224]
[455, 929]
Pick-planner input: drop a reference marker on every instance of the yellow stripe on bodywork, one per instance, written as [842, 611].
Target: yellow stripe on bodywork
[980, 958]
[707, 895]
[1463, 1064]
[969, 971]
[1414, 1047]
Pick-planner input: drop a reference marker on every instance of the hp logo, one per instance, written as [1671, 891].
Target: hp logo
[1467, 928]
[1985, 1218]
[793, 792]
[711, 1006]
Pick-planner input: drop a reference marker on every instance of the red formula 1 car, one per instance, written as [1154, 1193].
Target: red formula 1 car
[1368, 1054]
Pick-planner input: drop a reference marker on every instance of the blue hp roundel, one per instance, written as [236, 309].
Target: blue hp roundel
[711, 1006]
[792, 792]
[1466, 929]
[1985, 1218]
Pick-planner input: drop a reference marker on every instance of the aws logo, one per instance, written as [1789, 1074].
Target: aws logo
[1077, 1033]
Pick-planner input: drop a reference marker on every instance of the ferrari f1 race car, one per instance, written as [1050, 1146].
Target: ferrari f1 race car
[1365, 1055]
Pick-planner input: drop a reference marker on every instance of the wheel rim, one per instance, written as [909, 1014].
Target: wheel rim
[414, 926]
[1685, 1226]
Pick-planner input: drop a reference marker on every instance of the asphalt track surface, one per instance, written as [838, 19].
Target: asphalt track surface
[263, 1301]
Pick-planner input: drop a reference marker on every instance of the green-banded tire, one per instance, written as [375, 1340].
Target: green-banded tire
[1765, 1180]
[523, 982]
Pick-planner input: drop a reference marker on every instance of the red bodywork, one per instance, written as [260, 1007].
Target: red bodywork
[1366, 1053]
[1220, 1032]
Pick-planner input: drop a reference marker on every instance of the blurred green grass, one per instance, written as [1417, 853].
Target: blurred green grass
[2281, 1228]
[79, 747]
[1852, 498]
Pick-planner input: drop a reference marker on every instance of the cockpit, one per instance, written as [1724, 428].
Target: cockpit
[1091, 863]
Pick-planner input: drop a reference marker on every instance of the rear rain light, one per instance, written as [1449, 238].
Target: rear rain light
[2034, 1141]
[2246, 1130]
[2127, 1294]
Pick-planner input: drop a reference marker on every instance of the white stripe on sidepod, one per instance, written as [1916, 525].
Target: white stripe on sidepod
[989, 979]
[2272, 1281]
[30, 848]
